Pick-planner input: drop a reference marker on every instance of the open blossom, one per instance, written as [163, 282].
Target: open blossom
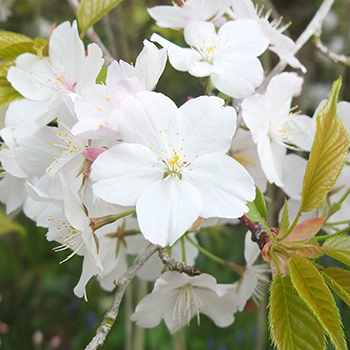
[228, 57]
[280, 44]
[172, 165]
[177, 298]
[49, 80]
[274, 127]
[175, 16]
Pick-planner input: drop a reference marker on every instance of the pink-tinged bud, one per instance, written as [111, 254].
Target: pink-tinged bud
[38, 338]
[55, 342]
[196, 224]
[301, 82]
[91, 153]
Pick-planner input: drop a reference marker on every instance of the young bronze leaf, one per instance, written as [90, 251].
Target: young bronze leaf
[293, 325]
[312, 288]
[339, 280]
[257, 208]
[328, 153]
[91, 11]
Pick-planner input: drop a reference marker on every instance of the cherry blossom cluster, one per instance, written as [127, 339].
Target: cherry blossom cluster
[110, 167]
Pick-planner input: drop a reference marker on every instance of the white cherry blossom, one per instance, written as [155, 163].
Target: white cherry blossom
[280, 44]
[50, 80]
[275, 127]
[172, 165]
[97, 107]
[254, 276]
[175, 16]
[228, 57]
[177, 298]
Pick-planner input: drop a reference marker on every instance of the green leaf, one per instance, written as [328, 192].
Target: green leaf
[4, 67]
[91, 11]
[9, 226]
[328, 154]
[101, 78]
[339, 280]
[16, 49]
[41, 47]
[292, 324]
[284, 225]
[338, 242]
[257, 209]
[305, 250]
[312, 288]
[10, 38]
[340, 248]
[8, 93]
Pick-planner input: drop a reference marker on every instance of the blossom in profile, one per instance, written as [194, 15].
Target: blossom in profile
[177, 298]
[253, 276]
[175, 16]
[228, 57]
[97, 106]
[172, 165]
[275, 127]
[280, 44]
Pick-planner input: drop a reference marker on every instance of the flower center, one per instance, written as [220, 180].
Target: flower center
[173, 159]
[188, 304]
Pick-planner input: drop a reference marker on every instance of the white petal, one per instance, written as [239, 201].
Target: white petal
[271, 156]
[302, 131]
[206, 125]
[12, 192]
[87, 272]
[145, 118]
[239, 79]
[151, 63]
[179, 57]
[167, 209]
[123, 172]
[32, 77]
[168, 16]
[293, 174]
[224, 185]
[251, 250]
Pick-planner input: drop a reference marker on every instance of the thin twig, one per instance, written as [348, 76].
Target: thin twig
[121, 283]
[259, 233]
[312, 28]
[334, 57]
[174, 265]
[92, 35]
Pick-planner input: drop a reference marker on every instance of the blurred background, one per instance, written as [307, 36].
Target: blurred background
[38, 309]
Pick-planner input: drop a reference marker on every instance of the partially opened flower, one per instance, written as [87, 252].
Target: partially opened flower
[175, 16]
[97, 107]
[253, 276]
[228, 57]
[275, 127]
[280, 44]
[177, 298]
[172, 165]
